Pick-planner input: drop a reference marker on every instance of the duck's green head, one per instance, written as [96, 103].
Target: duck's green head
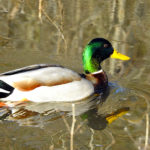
[96, 51]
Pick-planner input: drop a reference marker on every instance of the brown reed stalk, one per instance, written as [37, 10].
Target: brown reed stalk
[40, 10]
[72, 127]
[56, 26]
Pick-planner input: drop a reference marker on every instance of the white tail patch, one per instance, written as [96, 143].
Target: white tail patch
[4, 91]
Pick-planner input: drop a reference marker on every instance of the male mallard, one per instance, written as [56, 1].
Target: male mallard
[46, 83]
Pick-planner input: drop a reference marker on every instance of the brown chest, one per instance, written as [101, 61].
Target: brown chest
[99, 80]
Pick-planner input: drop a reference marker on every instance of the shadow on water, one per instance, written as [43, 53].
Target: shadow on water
[58, 37]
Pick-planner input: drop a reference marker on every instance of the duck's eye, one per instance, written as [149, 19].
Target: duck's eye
[106, 45]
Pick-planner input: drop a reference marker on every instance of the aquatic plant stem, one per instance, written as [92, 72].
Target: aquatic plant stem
[147, 132]
[72, 127]
[91, 140]
[40, 10]
[15, 10]
[66, 123]
[113, 141]
[57, 27]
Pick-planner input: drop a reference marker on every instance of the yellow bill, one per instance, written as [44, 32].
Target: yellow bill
[114, 116]
[119, 56]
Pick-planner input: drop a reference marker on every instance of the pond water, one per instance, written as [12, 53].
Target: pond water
[56, 33]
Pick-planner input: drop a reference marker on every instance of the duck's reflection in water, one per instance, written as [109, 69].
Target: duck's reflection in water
[39, 114]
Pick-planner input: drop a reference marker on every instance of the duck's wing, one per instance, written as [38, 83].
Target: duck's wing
[31, 77]
[28, 68]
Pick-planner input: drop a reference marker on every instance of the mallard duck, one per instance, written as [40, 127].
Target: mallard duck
[47, 83]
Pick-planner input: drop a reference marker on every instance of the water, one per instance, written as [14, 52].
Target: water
[66, 27]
